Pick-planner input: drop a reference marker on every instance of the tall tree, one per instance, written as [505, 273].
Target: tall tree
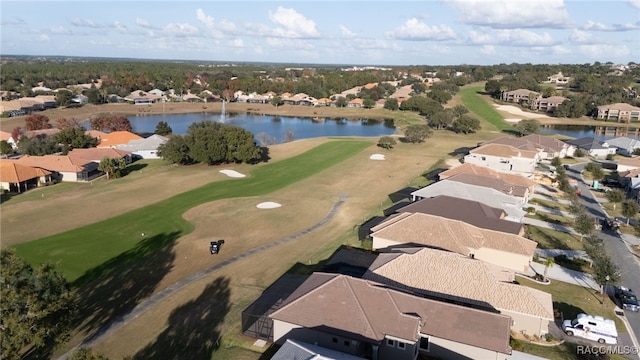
[74, 138]
[417, 133]
[37, 306]
[391, 104]
[64, 123]
[466, 124]
[176, 150]
[5, 148]
[63, 97]
[615, 196]
[584, 224]
[630, 209]
[548, 262]
[111, 166]
[528, 127]
[163, 128]
[37, 122]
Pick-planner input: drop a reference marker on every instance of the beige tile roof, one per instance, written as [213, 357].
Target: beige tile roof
[632, 161]
[460, 278]
[619, 106]
[60, 163]
[503, 151]
[630, 173]
[12, 172]
[97, 154]
[5, 135]
[490, 182]
[367, 311]
[517, 143]
[485, 171]
[451, 235]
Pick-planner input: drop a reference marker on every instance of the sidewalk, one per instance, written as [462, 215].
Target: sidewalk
[557, 272]
[551, 211]
[551, 197]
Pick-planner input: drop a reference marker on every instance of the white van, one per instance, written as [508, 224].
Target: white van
[591, 327]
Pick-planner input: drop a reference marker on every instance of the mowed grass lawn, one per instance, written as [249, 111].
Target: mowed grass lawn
[477, 105]
[80, 250]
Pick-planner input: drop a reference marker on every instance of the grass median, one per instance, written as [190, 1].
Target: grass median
[80, 252]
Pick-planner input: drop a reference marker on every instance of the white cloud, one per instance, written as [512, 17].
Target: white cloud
[218, 28]
[346, 33]
[59, 30]
[180, 30]
[514, 37]
[610, 51]
[414, 29]
[634, 3]
[238, 43]
[488, 50]
[561, 50]
[43, 38]
[596, 26]
[293, 24]
[288, 44]
[143, 23]
[579, 36]
[512, 13]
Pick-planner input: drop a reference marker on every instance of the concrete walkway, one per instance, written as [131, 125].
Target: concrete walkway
[108, 329]
[551, 211]
[557, 272]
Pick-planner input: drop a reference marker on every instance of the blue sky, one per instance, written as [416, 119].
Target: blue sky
[446, 32]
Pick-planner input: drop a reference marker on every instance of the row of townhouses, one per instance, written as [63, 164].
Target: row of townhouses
[440, 279]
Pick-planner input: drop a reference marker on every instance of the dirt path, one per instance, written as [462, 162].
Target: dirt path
[144, 306]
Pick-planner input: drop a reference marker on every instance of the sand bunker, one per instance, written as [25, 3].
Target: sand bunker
[518, 112]
[376, 157]
[268, 205]
[232, 173]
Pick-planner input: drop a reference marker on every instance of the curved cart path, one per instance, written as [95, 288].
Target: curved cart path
[115, 325]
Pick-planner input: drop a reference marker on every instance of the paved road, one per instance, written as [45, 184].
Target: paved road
[141, 308]
[614, 245]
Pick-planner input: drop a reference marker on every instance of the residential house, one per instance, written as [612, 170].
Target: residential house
[140, 97]
[469, 211]
[193, 98]
[548, 104]
[547, 147]
[97, 154]
[624, 145]
[6, 136]
[485, 171]
[620, 112]
[116, 138]
[323, 102]
[511, 205]
[593, 147]
[558, 79]
[465, 281]
[146, 148]
[63, 167]
[17, 178]
[505, 250]
[628, 164]
[522, 193]
[298, 350]
[504, 158]
[520, 96]
[367, 319]
[355, 103]
[80, 99]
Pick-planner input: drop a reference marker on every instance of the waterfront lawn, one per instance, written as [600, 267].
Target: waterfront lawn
[80, 252]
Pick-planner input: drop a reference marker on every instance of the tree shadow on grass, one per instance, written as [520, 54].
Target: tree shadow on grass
[193, 330]
[114, 288]
[136, 166]
[567, 311]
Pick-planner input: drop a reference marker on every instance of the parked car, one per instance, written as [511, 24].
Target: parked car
[612, 223]
[626, 299]
[215, 246]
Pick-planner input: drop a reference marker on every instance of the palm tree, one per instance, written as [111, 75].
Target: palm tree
[548, 262]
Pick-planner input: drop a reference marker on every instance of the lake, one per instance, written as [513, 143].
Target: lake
[275, 126]
[598, 132]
